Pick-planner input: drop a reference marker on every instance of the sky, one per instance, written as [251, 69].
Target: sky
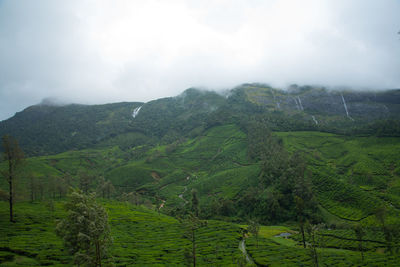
[103, 51]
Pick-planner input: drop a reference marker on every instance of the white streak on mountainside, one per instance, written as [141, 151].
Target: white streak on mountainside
[345, 107]
[136, 111]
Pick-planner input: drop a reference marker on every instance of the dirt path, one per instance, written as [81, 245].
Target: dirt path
[184, 191]
[242, 247]
[162, 204]
[181, 195]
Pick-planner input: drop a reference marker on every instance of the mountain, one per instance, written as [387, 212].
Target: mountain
[253, 153]
[47, 129]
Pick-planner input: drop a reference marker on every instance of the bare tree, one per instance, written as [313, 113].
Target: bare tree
[312, 232]
[32, 187]
[192, 224]
[254, 229]
[13, 155]
[360, 233]
[195, 203]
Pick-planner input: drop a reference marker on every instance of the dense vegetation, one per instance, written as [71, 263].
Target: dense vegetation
[48, 129]
[331, 179]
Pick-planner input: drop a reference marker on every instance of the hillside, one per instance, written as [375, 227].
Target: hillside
[217, 165]
[141, 237]
[48, 129]
[249, 154]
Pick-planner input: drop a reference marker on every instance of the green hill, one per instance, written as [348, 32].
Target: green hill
[49, 129]
[249, 155]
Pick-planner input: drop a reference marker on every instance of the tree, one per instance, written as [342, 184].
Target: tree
[131, 197]
[195, 203]
[105, 188]
[40, 187]
[312, 231]
[158, 203]
[381, 216]
[67, 179]
[61, 187]
[85, 231]
[360, 233]
[84, 181]
[192, 223]
[300, 217]
[51, 186]
[100, 187]
[32, 187]
[305, 204]
[136, 198]
[254, 229]
[109, 188]
[13, 155]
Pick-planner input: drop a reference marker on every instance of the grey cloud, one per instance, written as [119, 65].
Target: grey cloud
[104, 51]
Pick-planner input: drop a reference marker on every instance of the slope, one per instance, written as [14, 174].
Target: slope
[141, 237]
[48, 129]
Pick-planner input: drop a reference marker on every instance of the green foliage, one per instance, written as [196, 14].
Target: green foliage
[281, 181]
[195, 203]
[85, 230]
[360, 233]
[140, 236]
[105, 189]
[44, 129]
[227, 182]
[217, 165]
[274, 252]
[31, 240]
[337, 164]
[225, 150]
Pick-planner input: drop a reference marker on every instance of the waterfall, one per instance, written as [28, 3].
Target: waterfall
[276, 102]
[345, 107]
[297, 104]
[301, 105]
[136, 111]
[313, 117]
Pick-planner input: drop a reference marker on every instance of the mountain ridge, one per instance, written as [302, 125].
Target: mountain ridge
[58, 128]
[246, 157]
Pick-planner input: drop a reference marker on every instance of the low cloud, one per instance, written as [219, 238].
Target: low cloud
[102, 51]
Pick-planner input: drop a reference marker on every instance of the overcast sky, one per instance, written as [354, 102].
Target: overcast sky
[101, 51]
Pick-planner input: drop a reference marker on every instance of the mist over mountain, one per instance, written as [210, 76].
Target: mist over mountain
[53, 126]
[103, 52]
[51, 101]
